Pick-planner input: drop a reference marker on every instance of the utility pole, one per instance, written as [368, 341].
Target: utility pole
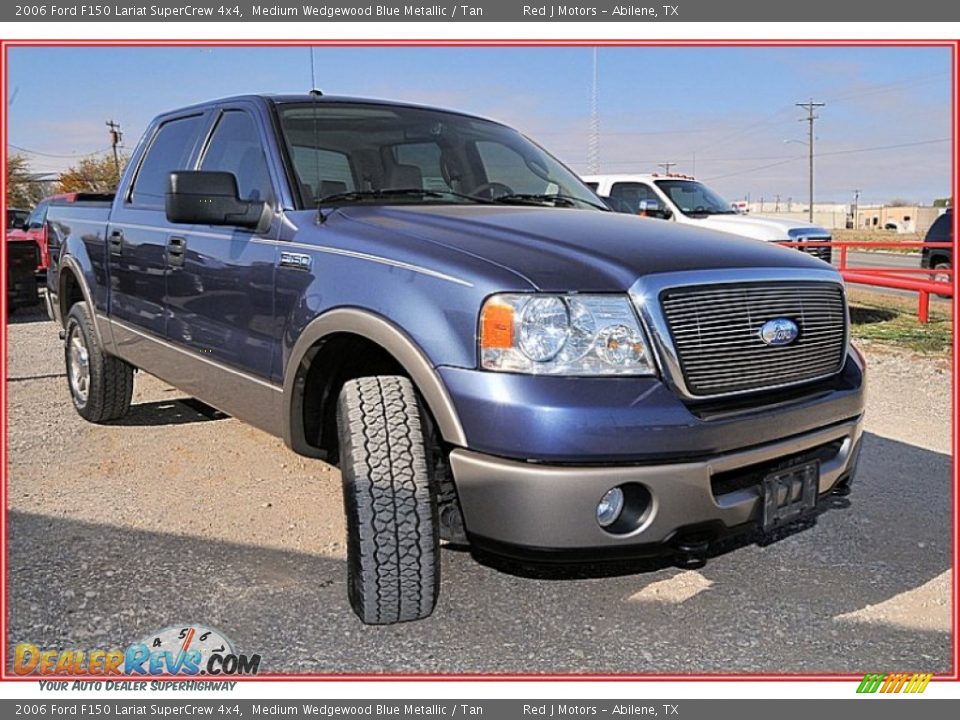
[810, 107]
[116, 137]
[776, 208]
[666, 166]
[856, 208]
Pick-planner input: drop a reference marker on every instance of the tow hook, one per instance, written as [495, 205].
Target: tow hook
[692, 553]
[842, 488]
[62, 334]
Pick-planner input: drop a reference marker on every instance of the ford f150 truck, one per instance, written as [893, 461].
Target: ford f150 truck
[683, 199]
[434, 303]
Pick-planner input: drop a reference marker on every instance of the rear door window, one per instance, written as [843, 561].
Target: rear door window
[236, 148]
[169, 151]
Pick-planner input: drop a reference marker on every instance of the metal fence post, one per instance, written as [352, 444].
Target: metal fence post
[923, 313]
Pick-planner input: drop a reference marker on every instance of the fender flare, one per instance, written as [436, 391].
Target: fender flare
[71, 263]
[375, 328]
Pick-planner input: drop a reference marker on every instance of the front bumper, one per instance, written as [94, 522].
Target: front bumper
[535, 509]
[633, 421]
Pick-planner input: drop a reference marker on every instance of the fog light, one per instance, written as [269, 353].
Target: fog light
[610, 507]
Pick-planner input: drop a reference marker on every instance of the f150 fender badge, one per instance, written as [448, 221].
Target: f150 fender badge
[295, 260]
[779, 331]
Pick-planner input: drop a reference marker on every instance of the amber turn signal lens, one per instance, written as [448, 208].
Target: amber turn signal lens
[496, 327]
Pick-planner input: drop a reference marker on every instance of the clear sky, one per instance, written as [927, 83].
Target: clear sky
[724, 114]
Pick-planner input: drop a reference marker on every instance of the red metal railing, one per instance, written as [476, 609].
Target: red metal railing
[916, 279]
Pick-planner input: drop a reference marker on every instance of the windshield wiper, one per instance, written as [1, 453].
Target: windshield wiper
[353, 196]
[557, 199]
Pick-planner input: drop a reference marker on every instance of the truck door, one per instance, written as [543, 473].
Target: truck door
[220, 287]
[138, 232]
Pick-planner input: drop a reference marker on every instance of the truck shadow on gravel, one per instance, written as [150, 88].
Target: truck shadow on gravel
[32, 314]
[759, 609]
[181, 411]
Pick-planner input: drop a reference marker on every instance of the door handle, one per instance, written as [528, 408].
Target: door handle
[116, 242]
[176, 250]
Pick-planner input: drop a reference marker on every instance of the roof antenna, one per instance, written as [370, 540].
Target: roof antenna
[313, 76]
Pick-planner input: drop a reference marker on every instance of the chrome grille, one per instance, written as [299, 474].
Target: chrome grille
[716, 334]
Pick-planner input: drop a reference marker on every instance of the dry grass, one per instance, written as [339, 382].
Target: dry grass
[879, 236]
[892, 320]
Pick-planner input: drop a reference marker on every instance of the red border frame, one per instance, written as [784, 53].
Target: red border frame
[5, 45]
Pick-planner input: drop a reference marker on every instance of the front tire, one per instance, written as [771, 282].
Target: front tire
[101, 386]
[941, 276]
[393, 543]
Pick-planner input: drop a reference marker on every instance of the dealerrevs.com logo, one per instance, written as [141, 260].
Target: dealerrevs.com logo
[894, 683]
[179, 650]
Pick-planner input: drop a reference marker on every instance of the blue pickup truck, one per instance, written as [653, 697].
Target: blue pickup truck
[491, 356]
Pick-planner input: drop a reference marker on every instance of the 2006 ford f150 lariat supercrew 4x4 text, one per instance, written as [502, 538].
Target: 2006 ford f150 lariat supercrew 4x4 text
[439, 306]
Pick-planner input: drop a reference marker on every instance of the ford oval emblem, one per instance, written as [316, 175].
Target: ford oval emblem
[779, 331]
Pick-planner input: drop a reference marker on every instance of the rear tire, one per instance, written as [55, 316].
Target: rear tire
[393, 544]
[101, 386]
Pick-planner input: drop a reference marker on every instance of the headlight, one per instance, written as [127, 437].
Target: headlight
[563, 335]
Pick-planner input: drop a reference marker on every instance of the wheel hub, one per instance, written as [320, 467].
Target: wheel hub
[78, 367]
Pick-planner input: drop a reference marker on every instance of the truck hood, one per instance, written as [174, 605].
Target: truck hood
[565, 249]
[758, 227]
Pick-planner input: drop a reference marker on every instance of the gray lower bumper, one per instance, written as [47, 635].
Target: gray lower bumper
[553, 507]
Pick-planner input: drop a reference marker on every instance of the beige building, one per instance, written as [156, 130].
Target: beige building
[899, 218]
[833, 216]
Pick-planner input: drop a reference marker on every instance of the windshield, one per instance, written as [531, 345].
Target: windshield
[357, 153]
[694, 198]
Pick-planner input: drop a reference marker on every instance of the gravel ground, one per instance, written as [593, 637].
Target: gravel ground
[178, 514]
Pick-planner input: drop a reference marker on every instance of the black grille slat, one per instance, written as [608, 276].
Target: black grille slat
[715, 331]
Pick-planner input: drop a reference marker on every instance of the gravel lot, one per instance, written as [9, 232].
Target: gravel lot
[177, 514]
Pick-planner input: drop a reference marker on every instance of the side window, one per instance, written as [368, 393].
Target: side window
[322, 172]
[504, 165]
[629, 194]
[235, 148]
[426, 158]
[169, 151]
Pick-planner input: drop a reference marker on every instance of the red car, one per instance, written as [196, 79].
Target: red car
[35, 227]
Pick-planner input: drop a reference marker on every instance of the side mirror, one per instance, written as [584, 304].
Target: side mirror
[212, 198]
[653, 208]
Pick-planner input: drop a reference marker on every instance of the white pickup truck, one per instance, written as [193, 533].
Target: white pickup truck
[683, 199]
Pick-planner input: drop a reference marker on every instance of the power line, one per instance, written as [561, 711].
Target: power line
[886, 147]
[642, 162]
[55, 155]
[754, 169]
[832, 153]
